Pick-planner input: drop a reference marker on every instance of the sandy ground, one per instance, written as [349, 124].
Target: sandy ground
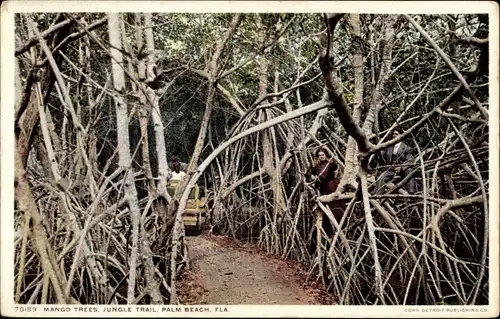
[225, 272]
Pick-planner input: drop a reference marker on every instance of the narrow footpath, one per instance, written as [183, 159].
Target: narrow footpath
[225, 272]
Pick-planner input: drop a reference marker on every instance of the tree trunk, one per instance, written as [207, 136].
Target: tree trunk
[270, 167]
[351, 167]
[144, 107]
[378, 91]
[125, 161]
[161, 150]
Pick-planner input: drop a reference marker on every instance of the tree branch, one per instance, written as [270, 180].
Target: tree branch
[484, 111]
[450, 98]
[472, 40]
[20, 49]
[334, 89]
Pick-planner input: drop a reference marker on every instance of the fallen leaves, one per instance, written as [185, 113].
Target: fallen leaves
[189, 289]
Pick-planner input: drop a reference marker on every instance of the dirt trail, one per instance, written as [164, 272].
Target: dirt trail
[223, 272]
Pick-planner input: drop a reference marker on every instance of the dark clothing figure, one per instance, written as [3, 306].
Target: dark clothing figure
[325, 171]
[395, 158]
[324, 176]
[327, 184]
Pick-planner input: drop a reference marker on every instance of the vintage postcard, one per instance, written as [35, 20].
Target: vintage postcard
[249, 159]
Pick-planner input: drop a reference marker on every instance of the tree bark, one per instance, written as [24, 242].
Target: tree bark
[271, 166]
[159, 129]
[351, 154]
[125, 160]
[145, 108]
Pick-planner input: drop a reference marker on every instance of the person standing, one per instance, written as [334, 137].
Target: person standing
[324, 172]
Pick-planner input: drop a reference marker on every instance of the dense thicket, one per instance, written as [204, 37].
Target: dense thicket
[103, 101]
